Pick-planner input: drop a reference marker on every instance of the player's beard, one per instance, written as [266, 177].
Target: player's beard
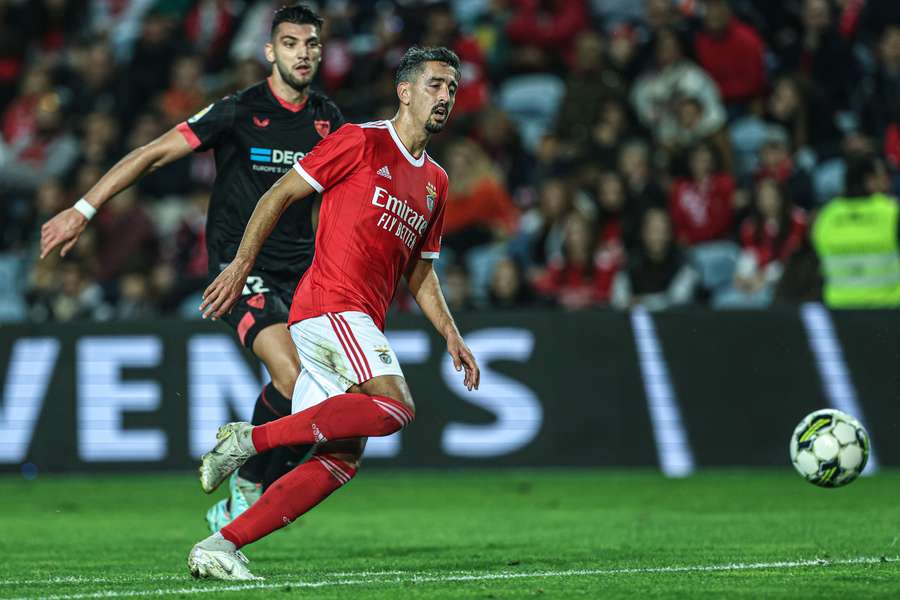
[299, 84]
[434, 126]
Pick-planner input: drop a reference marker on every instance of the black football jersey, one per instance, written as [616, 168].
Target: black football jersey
[256, 137]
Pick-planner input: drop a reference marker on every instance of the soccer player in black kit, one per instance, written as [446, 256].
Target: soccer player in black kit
[256, 134]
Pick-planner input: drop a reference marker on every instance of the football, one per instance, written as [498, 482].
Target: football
[829, 448]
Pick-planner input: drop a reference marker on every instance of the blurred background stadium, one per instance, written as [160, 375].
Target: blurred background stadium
[629, 244]
[634, 249]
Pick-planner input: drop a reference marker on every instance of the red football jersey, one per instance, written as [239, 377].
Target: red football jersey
[380, 207]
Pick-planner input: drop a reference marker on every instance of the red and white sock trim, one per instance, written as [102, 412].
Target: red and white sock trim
[397, 410]
[338, 472]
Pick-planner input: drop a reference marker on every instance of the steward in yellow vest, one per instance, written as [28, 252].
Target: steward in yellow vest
[856, 238]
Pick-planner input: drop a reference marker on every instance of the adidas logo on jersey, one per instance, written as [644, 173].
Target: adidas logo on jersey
[384, 172]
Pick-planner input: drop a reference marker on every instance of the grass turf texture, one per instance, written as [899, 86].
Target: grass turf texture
[496, 534]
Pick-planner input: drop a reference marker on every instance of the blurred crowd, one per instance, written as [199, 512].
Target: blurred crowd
[601, 153]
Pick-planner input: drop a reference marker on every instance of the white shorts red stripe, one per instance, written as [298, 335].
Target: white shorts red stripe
[349, 350]
[367, 370]
[343, 331]
[338, 351]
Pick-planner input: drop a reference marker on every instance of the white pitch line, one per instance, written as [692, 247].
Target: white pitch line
[82, 579]
[67, 579]
[462, 576]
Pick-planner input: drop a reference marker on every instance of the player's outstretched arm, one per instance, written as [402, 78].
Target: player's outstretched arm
[426, 289]
[224, 291]
[66, 227]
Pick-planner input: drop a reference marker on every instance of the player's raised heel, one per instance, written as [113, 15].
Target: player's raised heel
[218, 564]
[234, 445]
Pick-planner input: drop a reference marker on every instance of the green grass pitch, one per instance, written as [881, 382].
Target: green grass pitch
[469, 534]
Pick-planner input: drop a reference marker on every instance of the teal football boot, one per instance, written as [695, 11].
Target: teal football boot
[243, 494]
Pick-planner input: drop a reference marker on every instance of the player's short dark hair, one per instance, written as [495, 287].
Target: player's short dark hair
[411, 64]
[298, 14]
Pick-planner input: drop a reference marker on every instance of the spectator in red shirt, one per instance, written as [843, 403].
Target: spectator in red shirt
[19, 120]
[701, 206]
[478, 210]
[550, 25]
[613, 224]
[732, 53]
[774, 231]
[577, 281]
[209, 27]
[592, 252]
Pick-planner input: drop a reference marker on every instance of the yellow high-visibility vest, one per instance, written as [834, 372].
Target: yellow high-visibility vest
[856, 240]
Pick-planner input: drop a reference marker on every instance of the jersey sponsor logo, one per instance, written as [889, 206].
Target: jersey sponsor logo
[384, 172]
[274, 160]
[199, 115]
[261, 123]
[323, 128]
[430, 196]
[399, 217]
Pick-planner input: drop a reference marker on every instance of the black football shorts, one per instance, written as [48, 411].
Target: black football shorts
[266, 300]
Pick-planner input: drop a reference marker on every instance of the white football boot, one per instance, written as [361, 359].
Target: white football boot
[219, 564]
[234, 446]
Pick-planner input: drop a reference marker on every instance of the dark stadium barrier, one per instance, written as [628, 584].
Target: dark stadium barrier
[678, 390]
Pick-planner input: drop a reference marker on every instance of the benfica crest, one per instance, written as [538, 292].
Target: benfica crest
[384, 353]
[430, 195]
[323, 128]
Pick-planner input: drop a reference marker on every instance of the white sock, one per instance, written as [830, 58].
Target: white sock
[217, 542]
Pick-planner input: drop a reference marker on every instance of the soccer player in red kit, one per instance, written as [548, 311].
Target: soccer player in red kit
[251, 133]
[381, 219]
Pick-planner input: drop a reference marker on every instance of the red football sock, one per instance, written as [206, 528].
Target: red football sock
[292, 495]
[339, 417]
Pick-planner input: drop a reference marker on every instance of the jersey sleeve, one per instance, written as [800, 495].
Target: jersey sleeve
[431, 245]
[209, 126]
[333, 159]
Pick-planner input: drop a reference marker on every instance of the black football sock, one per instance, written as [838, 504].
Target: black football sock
[284, 458]
[266, 467]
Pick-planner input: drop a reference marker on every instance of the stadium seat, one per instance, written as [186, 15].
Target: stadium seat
[12, 272]
[532, 102]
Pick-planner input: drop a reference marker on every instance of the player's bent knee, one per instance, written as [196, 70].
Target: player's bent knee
[393, 387]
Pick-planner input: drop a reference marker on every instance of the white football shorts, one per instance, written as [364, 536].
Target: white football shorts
[338, 350]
